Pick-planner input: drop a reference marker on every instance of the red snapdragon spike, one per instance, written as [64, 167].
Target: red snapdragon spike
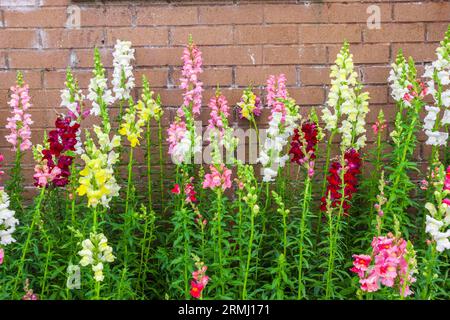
[334, 188]
[308, 137]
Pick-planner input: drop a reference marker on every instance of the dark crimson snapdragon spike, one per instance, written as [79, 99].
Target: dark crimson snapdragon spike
[334, 188]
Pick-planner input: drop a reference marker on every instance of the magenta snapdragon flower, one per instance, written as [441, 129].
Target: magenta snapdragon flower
[20, 121]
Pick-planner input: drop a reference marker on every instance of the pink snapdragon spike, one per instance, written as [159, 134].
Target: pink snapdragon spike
[447, 179]
[20, 121]
[276, 90]
[219, 112]
[2, 255]
[388, 265]
[176, 133]
[43, 175]
[192, 67]
[218, 178]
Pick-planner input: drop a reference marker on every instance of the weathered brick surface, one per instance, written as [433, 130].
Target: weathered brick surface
[242, 43]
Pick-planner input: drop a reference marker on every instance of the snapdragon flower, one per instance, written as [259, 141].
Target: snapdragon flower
[95, 252]
[250, 105]
[180, 141]
[284, 114]
[8, 221]
[184, 142]
[192, 67]
[99, 94]
[20, 121]
[131, 126]
[148, 107]
[123, 79]
[438, 79]
[346, 99]
[438, 219]
[391, 263]
[97, 179]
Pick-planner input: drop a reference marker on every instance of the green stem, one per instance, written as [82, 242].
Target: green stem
[34, 220]
[305, 209]
[249, 256]
[149, 171]
[161, 168]
[219, 226]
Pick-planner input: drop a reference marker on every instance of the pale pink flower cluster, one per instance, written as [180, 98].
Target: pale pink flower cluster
[43, 175]
[219, 111]
[20, 122]
[192, 67]
[177, 132]
[218, 178]
[276, 89]
[390, 266]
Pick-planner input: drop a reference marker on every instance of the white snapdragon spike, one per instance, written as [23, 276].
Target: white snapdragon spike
[123, 78]
[278, 133]
[398, 80]
[182, 151]
[343, 78]
[345, 100]
[72, 106]
[95, 251]
[98, 90]
[7, 220]
[438, 225]
[437, 75]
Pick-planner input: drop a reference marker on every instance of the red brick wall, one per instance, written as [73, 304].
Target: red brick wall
[242, 43]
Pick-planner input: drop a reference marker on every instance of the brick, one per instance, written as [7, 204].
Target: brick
[314, 75]
[106, 16]
[241, 14]
[2, 60]
[436, 31]
[257, 75]
[232, 55]
[139, 36]
[354, 12]
[308, 95]
[210, 77]
[273, 34]
[421, 52]
[8, 79]
[294, 55]
[329, 33]
[56, 79]
[156, 77]
[72, 38]
[375, 74]
[367, 53]
[423, 11]
[319, 13]
[51, 59]
[51, 3]
[159, 56]
[298, 13]
[45, 98]
[32, 17]
[378, 94]
[396, 33]
[211, 35]
[166, 15]
[84, 58]
[18, 38]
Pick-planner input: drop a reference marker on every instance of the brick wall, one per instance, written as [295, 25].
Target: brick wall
[242, 42]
